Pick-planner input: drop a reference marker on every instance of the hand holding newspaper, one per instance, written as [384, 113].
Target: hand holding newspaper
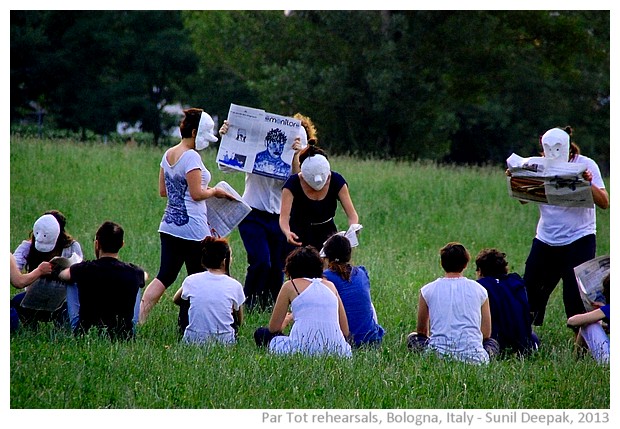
[223, 214]
[556, 183]
[590, 276]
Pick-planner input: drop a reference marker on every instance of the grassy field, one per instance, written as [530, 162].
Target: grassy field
[408, 211]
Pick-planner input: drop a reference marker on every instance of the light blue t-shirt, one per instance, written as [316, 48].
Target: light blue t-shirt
[184, 217]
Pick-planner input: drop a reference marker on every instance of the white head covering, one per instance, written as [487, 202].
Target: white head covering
[46, 231]
[316, 170]
[205, 132]
[556, 145]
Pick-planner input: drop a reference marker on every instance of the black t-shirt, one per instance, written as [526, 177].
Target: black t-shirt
[107, 290]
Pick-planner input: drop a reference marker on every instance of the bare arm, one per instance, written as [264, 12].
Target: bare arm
[485, 324]
[20, 280]
[285, 215]
[177, 296]
[198, 193]
[238, 315]
[162, 184]
[347, 205]
[280, 309]
[599, 195]
[342, 319]
[423, 317]
[295, 165]
[586, 318]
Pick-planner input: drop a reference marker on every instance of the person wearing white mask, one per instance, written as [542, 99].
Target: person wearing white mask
[565, 236]
[184, 181]
[310, 199]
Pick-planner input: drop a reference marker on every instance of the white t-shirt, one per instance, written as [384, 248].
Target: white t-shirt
[184, 217]
[559, 226]
[454, 306]
[263, 193]
[212, 300]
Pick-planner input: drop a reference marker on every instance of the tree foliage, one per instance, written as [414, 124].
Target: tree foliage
[456, 86]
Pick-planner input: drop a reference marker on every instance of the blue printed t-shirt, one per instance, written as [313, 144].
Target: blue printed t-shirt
[184, 217]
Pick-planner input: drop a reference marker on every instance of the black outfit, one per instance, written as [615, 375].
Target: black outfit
[313, 220]
[107, 289]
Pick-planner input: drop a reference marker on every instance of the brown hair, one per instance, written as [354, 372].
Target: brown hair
[214, 252]
[190, 122]
[491, 263]
[454, 257]
[308, 125]
[304, 262]
[337, 250]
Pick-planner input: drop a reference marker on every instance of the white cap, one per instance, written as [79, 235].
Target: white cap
[205, 132]
[316, 170]
[556, 144]
[46, 231]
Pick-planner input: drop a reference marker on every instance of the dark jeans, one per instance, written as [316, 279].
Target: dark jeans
[262, 336]
[544, 268]
[30, 318]
[264, 243]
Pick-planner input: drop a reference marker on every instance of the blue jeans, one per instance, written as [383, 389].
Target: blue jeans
[265, 246]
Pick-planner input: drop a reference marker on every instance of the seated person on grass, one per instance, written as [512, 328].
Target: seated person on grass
[454, 319]
[591, 329]
[511, 321]
[107, 287]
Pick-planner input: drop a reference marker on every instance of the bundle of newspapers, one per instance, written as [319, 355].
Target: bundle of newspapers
[538, 180]
[590, 277]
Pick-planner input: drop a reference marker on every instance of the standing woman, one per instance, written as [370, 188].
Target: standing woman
[565, 236]
[183, 180]
[310, 199]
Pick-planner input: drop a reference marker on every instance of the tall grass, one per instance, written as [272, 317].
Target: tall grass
[408, 211]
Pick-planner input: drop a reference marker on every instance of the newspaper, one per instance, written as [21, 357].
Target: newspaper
[556, 183]
[48, 293]
[258, 142]
[223, 214]
[350, 234]
[590, 276]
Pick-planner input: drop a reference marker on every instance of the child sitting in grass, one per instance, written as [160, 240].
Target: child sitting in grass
[215, 298]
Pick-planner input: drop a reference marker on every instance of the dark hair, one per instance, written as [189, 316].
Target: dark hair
[454, 257]
[491, 263]
[337, 250]
[214, 252]
[64, 240]
[310, 151]
[304, 262]
[275, 135]
[110, 236]
[190, 122]
[606, 288]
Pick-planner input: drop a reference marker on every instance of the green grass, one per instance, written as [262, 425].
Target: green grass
[408, 211]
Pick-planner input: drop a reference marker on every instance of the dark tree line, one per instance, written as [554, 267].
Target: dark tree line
[455, 86]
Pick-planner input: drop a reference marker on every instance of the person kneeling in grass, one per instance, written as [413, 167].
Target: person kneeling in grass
[455, 310]
[107, 287]
[215, 299]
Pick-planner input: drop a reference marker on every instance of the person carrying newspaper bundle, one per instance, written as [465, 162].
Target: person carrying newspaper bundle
[565, 236]
[184, 181]
[264, 242]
